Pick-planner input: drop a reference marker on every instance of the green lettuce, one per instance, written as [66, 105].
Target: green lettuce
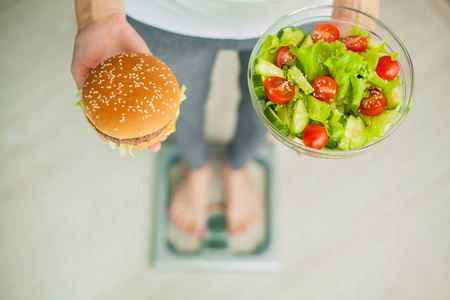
[312, 58]
[357, 31]
[335, 128]
[371, 56]
[342, 68]
[290, 36]
[386, 86]
[317, 110]
[358, 91]
[269, 48]
[283, 111]
[355, 72]
[80, 103]
[182, 93]
[123, 149]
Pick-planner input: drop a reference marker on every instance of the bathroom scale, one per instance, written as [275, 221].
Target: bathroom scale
[253, 250]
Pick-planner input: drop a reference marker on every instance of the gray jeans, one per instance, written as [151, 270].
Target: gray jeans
[191, 59]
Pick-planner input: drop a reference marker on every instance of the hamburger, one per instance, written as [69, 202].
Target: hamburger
[132, 100]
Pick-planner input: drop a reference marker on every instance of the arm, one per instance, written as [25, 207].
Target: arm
[89, 11]
[370, 7]
[102, 31]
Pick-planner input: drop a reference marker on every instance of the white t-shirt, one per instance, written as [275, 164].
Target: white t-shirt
[222, 19]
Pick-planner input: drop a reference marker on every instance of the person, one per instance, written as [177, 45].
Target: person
[186, 35]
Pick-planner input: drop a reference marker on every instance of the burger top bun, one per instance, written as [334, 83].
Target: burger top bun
[130, 95]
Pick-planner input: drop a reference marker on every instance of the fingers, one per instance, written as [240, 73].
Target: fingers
[139, 46]
[136, 43]
[155, 147]
[79, 73]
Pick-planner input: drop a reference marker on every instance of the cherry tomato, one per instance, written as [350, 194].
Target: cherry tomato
[279, 90]
[374, 104]
[355, 43]
[283, 56]
[387, 68]
[315, 136]
[325, 88]
[325, 32]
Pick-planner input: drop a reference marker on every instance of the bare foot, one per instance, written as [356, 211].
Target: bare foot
[188, 208]
[243, 204]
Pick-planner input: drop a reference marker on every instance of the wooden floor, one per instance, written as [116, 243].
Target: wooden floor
[76, 220]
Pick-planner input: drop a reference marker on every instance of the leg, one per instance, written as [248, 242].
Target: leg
[191, 60]
[244, 204]
[249, 131]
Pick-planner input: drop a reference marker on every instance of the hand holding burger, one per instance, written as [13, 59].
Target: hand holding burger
[131, 100]
[102, 31]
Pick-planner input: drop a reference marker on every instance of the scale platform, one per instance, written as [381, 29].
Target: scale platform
[254, 250]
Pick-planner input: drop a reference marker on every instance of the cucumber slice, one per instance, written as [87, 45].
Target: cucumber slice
[307, 41]
[300, 79]
[344, 144]
[367, 119]
[380, 124]
[267, 69]
[299, 117]
[258, 87]
[393, 100]
[273, 118]
[359, 137]
[282, 110]
[355, 135]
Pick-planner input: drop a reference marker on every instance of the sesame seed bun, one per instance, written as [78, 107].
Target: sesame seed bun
[131, 99]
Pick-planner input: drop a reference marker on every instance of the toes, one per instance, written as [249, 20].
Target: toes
[241, 225]
[186, 225]
[244, 225]
[190, 227]
[197, 228]
[234, 226]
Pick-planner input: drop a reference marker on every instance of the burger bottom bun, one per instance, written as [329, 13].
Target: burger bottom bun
[166, 131]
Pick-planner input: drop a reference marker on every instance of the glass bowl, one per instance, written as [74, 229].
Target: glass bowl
[344, 18]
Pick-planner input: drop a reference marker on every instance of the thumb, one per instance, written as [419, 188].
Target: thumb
[79, 73]
[137, 44]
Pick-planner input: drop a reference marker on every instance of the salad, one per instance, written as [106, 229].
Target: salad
[330, 92]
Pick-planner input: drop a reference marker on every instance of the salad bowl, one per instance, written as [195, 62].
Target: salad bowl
[345, 19]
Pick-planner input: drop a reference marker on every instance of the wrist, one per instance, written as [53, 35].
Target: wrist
[90, 11]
